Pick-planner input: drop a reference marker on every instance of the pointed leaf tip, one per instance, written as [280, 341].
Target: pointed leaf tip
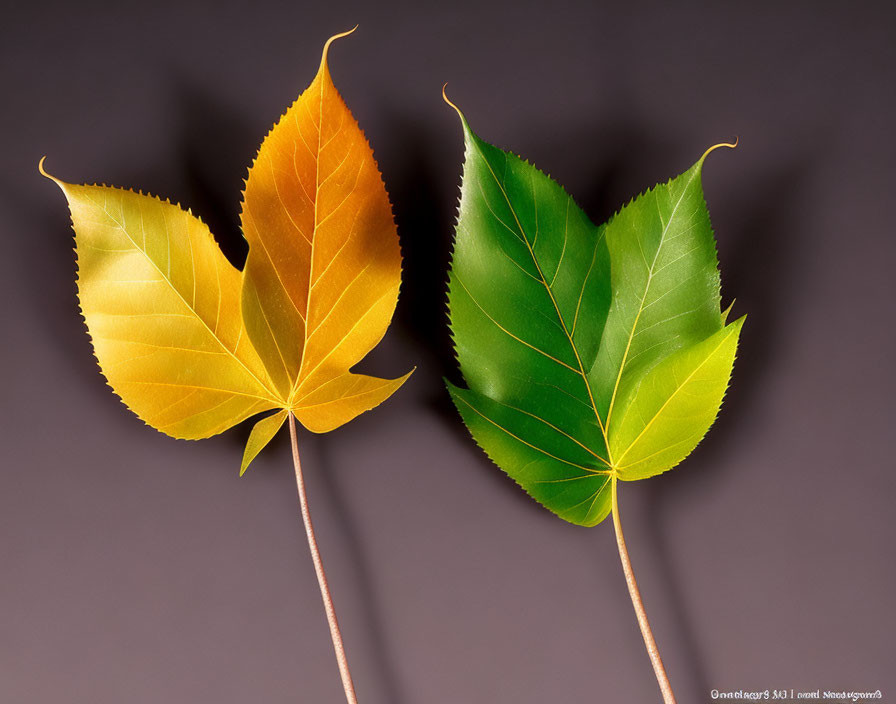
[262, 433]
[727, 311]
[323, 58]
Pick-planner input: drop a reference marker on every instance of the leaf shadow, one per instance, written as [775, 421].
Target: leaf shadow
[425, 195]
[378, 645]
[760, 270]
[423, 213]
[630, 159]
[216, 145]
[47, 269]
[205, 178]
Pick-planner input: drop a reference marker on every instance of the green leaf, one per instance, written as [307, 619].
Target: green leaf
[673, 406]
[589, 351]
[665, 283]
[552, 466]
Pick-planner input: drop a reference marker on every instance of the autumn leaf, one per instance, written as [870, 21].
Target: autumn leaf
[191, 344]
[162, 307]
[591, 353]
[324, 264]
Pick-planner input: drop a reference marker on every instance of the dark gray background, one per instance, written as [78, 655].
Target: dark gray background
[136, 568]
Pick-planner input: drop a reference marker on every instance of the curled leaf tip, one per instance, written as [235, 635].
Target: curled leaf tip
[446, 99]
[323, 58]
[729, 145]
[45, 174]
[456, 109]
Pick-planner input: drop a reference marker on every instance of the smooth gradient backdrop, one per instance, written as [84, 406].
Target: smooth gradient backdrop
[136, 568]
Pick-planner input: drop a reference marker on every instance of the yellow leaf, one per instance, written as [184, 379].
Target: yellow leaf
[321, 280]
[161, 303]
[191, 344]
[333, 403]
[263, 432]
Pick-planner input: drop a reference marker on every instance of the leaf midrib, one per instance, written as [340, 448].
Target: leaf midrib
[297, 383]
[678, 388]
[641, 307]
[543, 281]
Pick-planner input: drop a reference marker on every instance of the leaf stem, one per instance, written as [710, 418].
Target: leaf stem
[319, 569]
[652, 651]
